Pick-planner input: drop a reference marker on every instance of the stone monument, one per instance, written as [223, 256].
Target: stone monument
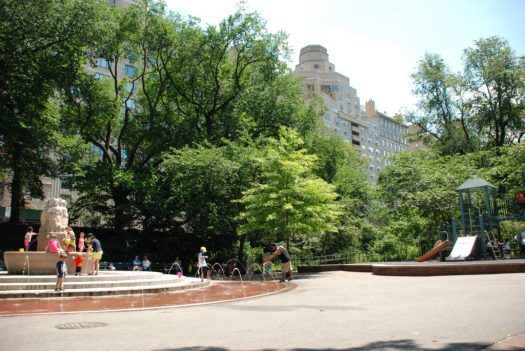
[53, 220]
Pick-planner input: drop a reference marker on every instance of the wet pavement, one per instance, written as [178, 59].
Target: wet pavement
[216, 292]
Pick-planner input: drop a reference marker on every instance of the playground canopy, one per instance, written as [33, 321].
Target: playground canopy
[475, 183]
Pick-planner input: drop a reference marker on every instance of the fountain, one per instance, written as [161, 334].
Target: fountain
[176, 264]
[53, 220]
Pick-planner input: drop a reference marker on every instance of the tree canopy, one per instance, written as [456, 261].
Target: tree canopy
[482, 107]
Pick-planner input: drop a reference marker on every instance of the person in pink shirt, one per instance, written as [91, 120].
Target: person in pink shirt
[53, 245]
[81, 242]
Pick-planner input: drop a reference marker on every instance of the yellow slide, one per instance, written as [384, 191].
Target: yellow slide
[438, 247]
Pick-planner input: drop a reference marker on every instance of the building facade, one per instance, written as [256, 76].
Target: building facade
[375, 134]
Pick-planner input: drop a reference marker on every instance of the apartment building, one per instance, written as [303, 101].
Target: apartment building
[375, 134]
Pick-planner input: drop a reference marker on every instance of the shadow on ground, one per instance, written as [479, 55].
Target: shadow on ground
[379, 345]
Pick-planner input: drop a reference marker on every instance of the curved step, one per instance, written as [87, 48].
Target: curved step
[126, 283]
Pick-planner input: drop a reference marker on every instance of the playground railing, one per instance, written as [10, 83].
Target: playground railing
[347, 258]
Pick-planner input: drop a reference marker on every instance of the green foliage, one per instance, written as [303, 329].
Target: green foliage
[510, 168]
[191, 86]
[418, 190]
[418, 193]
[495, 77]
[203, 185]
[424, 181]
[443, 111]
[42, 48]
[288, 202]
[482, 107]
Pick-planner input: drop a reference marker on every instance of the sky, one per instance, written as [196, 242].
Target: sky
[378, 43]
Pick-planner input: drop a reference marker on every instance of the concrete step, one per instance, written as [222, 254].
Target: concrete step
[103, 276]
[88, 284]
[112, 283]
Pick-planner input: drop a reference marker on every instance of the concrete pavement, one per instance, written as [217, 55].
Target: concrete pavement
[327, 311]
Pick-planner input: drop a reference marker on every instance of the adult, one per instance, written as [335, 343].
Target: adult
[96, 249]
[146, 264]
[136, 264]
[286, 266]
[202, 265]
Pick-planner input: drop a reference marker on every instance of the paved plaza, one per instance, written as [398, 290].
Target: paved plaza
[325, 311]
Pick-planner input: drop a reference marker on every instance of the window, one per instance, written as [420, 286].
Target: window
[102, 62]
[129, 87]
[316, 66]
[130, 70]
[132, 56]
[101, 76]
[326, 89]
[65, 182]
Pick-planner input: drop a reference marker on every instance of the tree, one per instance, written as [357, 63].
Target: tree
[203, 185]
[120, 114]
[190, 86]
[496, 79]
[219, 79]
[418, 191]
[443, 110]
[341, 164]
[42, 47]
[482, 107]
[288, 201]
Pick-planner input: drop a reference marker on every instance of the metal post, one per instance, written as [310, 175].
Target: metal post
[461, 211]
[482, 237]
[454, 230]
[489, 213]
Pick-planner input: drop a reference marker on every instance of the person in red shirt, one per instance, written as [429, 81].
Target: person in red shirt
[78, 263]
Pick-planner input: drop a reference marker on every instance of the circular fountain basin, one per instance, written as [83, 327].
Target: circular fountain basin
[39, 262]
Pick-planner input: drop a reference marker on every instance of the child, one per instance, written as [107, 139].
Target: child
[78, 263]
[28, 237]
[69, 238]
[81, 242]
[53, 245]
[267, 264]
[61, 270]
[202, 264]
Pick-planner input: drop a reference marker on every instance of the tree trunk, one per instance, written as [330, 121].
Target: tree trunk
[16, 188]
[240, 254]
[121, 217]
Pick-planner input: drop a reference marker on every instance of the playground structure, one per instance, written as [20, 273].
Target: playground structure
[481, 213]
